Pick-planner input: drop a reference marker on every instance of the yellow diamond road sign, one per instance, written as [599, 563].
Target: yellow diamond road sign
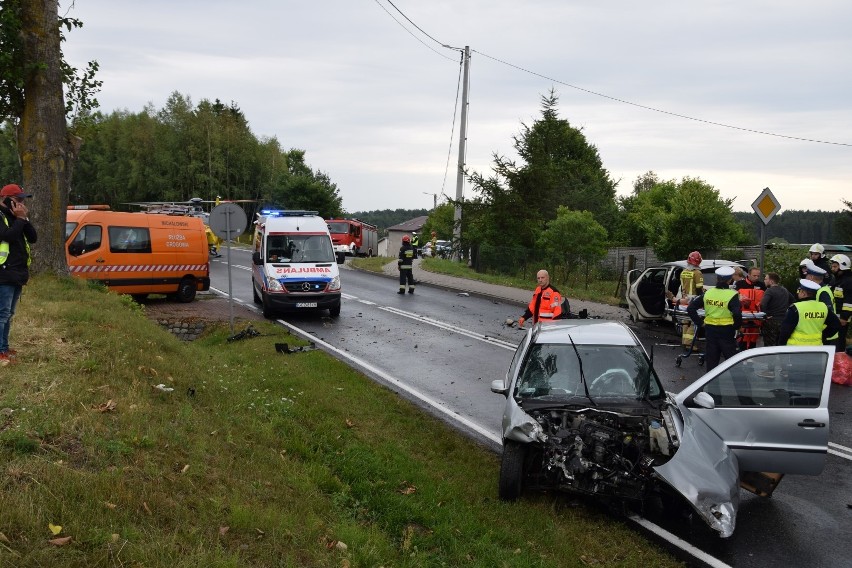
[766, 206]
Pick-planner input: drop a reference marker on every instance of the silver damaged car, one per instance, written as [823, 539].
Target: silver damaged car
[586, 413]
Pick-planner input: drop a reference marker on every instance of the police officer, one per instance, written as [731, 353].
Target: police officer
[405, 264]
[825, 295]
[722, 317]
[808, 321]
[546, 303]
[415, 243]
[842, 296]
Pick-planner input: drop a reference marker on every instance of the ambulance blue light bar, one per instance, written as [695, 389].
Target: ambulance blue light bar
[284, 213]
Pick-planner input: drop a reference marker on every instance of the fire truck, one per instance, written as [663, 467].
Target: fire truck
[352, 237]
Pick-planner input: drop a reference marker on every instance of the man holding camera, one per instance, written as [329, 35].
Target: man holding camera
[16, 235]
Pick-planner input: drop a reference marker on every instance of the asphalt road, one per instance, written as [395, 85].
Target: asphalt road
[442, 350]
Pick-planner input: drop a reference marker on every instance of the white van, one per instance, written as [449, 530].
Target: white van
[294, 265]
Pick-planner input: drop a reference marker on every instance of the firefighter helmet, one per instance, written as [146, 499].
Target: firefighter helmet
[406, 239]
[842, 260]
[816, 247]
[694, 258]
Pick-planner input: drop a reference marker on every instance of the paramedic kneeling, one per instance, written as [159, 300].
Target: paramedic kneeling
[808, 321]
[722, 317]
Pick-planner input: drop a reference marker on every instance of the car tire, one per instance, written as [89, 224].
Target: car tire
[254, 294]
[186, 290]
[512, 470]
[334, 311]
[268, 312]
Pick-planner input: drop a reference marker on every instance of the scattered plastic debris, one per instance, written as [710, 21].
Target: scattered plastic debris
[286, 349]
[250, 331]
[163, 388]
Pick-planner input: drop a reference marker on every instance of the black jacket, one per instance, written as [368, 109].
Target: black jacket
[15, 270]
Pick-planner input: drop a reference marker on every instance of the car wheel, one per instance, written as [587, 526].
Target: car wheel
[512, 470]
[186, 290]
[334, 311]
[268, 312]
[255, 295]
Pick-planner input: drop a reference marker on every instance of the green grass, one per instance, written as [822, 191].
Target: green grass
[254, 459]
[597, 290]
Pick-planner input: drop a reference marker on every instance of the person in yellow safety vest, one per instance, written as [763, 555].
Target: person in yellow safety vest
[691, 285]
[825, 295]
[546, 303]
[16, 234]
[808, 321]
[722, 317]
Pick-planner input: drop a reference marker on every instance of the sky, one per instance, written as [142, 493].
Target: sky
[743, 95]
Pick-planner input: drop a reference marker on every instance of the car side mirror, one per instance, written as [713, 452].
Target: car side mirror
[75, 249]
[499, 387]
[704, 400]
[255, 258]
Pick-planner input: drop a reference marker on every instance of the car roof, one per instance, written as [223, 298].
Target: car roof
[705, 264]
[585, 332]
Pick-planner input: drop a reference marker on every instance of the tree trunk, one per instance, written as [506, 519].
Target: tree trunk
[46, 151]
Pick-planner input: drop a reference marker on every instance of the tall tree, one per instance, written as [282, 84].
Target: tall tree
[33, 73]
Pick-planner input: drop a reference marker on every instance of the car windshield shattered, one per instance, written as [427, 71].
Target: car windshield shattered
[589, 371]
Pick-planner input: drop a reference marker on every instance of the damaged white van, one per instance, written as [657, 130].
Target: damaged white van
[294, 265]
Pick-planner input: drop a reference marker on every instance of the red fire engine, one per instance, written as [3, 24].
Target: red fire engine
[353, 237]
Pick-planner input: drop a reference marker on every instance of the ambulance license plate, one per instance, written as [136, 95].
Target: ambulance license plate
[306, 304]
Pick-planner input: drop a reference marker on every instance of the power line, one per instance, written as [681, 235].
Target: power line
[602, 95]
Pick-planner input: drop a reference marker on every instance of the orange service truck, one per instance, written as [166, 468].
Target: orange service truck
[138, 253]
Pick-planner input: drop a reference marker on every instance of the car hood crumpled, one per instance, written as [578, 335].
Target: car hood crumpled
[705, 472]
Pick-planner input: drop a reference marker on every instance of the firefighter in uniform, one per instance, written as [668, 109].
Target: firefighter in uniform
[816, 255]
[546, 303]
[691, 285]
[405, 263]
[722, 317]
[842, 296]
[808, 321]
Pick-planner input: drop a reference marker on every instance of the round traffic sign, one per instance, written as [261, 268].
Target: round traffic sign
[228, 221]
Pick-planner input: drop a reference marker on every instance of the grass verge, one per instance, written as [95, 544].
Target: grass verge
[254, 458]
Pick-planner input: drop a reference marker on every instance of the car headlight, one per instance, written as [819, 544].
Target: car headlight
[274, 285]
[334, 284]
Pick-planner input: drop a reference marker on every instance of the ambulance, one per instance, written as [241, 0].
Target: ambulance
[138, 253]
[294, 264]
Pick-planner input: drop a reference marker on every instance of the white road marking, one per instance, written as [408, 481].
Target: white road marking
[452, 328]
[845, 453]
[679, 542]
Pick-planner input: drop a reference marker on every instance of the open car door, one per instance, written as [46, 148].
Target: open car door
[769, 406]
[646, 296]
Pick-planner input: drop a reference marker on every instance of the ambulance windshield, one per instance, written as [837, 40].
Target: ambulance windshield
[299, 248]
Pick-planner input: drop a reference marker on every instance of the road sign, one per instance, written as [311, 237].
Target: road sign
[228, 221]
[766, 206]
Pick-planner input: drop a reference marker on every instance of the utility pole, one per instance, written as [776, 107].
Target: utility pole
[434, 199]
[462, 146]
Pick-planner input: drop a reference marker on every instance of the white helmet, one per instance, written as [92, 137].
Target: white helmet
[842, 260]
[816, 247]
[806, 262]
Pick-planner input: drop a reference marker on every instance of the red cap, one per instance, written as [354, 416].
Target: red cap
[13, 190]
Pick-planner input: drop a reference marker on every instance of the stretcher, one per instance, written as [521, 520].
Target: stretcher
[747, 338]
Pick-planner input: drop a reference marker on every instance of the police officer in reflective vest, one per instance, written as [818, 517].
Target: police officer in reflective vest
[546, 303]
[722, 317]
[415, 243]
[825, 295]
[808, 321]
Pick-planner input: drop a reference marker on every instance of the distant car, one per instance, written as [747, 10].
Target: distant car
[586, 413]
[443, 248]
[645, 295]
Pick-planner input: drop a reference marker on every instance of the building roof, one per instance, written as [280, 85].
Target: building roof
[411, 225]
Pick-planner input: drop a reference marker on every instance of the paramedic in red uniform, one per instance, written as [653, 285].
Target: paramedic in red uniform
[546, 303]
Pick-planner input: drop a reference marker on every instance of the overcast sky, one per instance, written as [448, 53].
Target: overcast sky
[371, 98]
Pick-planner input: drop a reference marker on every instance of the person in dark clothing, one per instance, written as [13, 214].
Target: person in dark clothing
[840, 266]
[16, 235]
[722, 317]
[816, 255]
[546, 304]
[808, 321]
[774, 304]
[405, 263]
